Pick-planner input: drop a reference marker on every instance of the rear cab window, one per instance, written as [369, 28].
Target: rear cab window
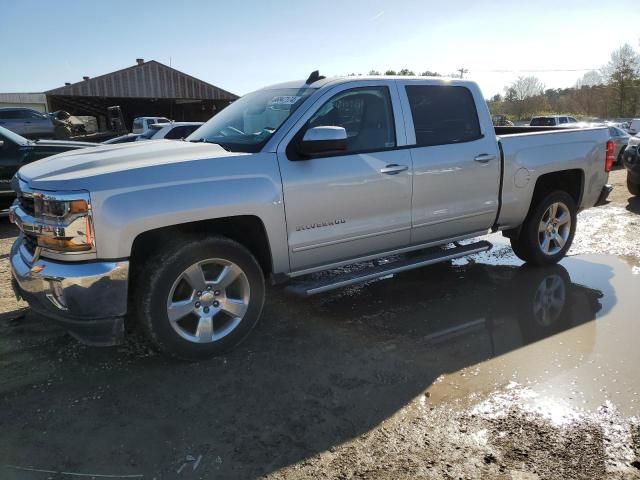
[151, 131]
[443, 114]
[543, 122]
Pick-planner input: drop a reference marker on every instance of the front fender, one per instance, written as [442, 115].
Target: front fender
[120, 216]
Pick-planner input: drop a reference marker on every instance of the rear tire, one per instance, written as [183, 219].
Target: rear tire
[547, 232]
[634, 188]
[201, 297]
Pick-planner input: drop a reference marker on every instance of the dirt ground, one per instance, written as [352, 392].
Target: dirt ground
[478, 368]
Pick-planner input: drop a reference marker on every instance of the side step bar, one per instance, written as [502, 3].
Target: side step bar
[326, 281]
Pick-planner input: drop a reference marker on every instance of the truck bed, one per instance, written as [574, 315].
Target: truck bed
[530, 152]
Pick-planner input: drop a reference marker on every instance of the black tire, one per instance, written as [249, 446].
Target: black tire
[160, 274]
[527, 245]
[634, 188]
[620, 159]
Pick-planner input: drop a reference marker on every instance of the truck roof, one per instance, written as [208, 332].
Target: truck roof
[345, 79]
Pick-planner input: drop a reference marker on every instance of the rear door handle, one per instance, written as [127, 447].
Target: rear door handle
[484, 158]
[393, 169]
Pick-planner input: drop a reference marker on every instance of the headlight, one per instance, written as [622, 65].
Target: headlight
[60, 222]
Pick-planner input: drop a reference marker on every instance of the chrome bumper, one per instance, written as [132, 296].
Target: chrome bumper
[90, 298]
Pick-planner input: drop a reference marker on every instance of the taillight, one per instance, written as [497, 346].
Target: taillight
[609, 160]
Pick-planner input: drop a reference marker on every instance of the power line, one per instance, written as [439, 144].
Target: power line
[534, 70]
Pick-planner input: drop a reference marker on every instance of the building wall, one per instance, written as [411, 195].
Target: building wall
[36, 101]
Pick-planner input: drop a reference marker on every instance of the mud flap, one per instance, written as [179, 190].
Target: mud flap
[606, 190]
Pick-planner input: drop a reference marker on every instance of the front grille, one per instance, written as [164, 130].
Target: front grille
[30, 243]
[27, 204]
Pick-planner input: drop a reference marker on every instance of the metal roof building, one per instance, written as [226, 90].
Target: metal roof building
[144, 89]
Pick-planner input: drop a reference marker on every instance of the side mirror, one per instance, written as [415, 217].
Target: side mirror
[318, 141]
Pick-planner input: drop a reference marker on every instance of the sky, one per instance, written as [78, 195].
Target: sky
[243, 45]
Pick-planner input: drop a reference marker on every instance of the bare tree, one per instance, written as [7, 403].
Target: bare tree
[374, 72]
[621, 73]
[590, 79]
[525, 87]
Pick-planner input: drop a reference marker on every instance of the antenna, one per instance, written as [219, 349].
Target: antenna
[314, 77]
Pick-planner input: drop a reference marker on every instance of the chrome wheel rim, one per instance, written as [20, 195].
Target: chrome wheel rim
[208, 300]
[554, 228]
[549, 300]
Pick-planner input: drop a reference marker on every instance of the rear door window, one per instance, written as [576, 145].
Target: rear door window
[563, 120]
[443, 114]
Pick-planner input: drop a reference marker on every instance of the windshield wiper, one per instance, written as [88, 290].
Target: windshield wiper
[204, 140]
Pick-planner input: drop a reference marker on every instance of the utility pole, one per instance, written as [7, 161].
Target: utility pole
[462, 71]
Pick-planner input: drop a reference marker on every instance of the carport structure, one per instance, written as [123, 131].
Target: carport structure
[145, 89]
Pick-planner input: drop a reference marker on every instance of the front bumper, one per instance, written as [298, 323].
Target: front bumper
[87, 298]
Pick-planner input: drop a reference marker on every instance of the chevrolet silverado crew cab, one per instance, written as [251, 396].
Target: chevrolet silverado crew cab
[177, 237]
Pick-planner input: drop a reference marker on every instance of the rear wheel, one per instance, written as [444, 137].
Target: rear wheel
[634, 188]
[202, 297]
[548, 230]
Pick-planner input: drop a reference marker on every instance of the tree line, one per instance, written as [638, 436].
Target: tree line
[613, 91]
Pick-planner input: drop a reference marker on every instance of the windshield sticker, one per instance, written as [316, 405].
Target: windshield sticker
[284, 100]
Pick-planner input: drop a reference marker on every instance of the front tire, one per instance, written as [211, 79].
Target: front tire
[634, 188]
[547, 232]
[202, 296]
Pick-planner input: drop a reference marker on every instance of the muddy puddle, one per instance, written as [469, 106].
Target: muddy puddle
[481, 368]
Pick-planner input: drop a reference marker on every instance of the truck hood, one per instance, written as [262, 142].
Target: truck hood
[66, 144]
[84, 164]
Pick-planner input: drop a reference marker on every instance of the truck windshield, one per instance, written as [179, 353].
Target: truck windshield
[247, 124]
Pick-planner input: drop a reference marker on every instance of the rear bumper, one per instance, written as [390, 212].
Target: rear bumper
[87, 298]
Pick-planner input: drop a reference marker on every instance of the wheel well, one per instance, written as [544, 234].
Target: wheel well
[570, 181]
[247, 230]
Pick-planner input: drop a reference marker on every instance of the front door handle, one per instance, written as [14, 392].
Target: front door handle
[393, 169]
[484, 158]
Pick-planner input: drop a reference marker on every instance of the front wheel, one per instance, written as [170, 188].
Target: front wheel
[548, 230]
[202, 297]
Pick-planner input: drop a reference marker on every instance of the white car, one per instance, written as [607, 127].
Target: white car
[170, 131]
[141, 124]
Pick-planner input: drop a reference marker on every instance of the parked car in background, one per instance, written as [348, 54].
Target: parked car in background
[634, 126]
[283, 184]
[632, 164]
[170, 131]
[27, 122]
[552, 121]
[16, 151]
[142, 124]
[620, 140]
[129, 137]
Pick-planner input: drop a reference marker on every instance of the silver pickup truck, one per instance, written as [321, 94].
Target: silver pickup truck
[178, 238]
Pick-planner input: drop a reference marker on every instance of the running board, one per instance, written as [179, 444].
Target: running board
[319, 283]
